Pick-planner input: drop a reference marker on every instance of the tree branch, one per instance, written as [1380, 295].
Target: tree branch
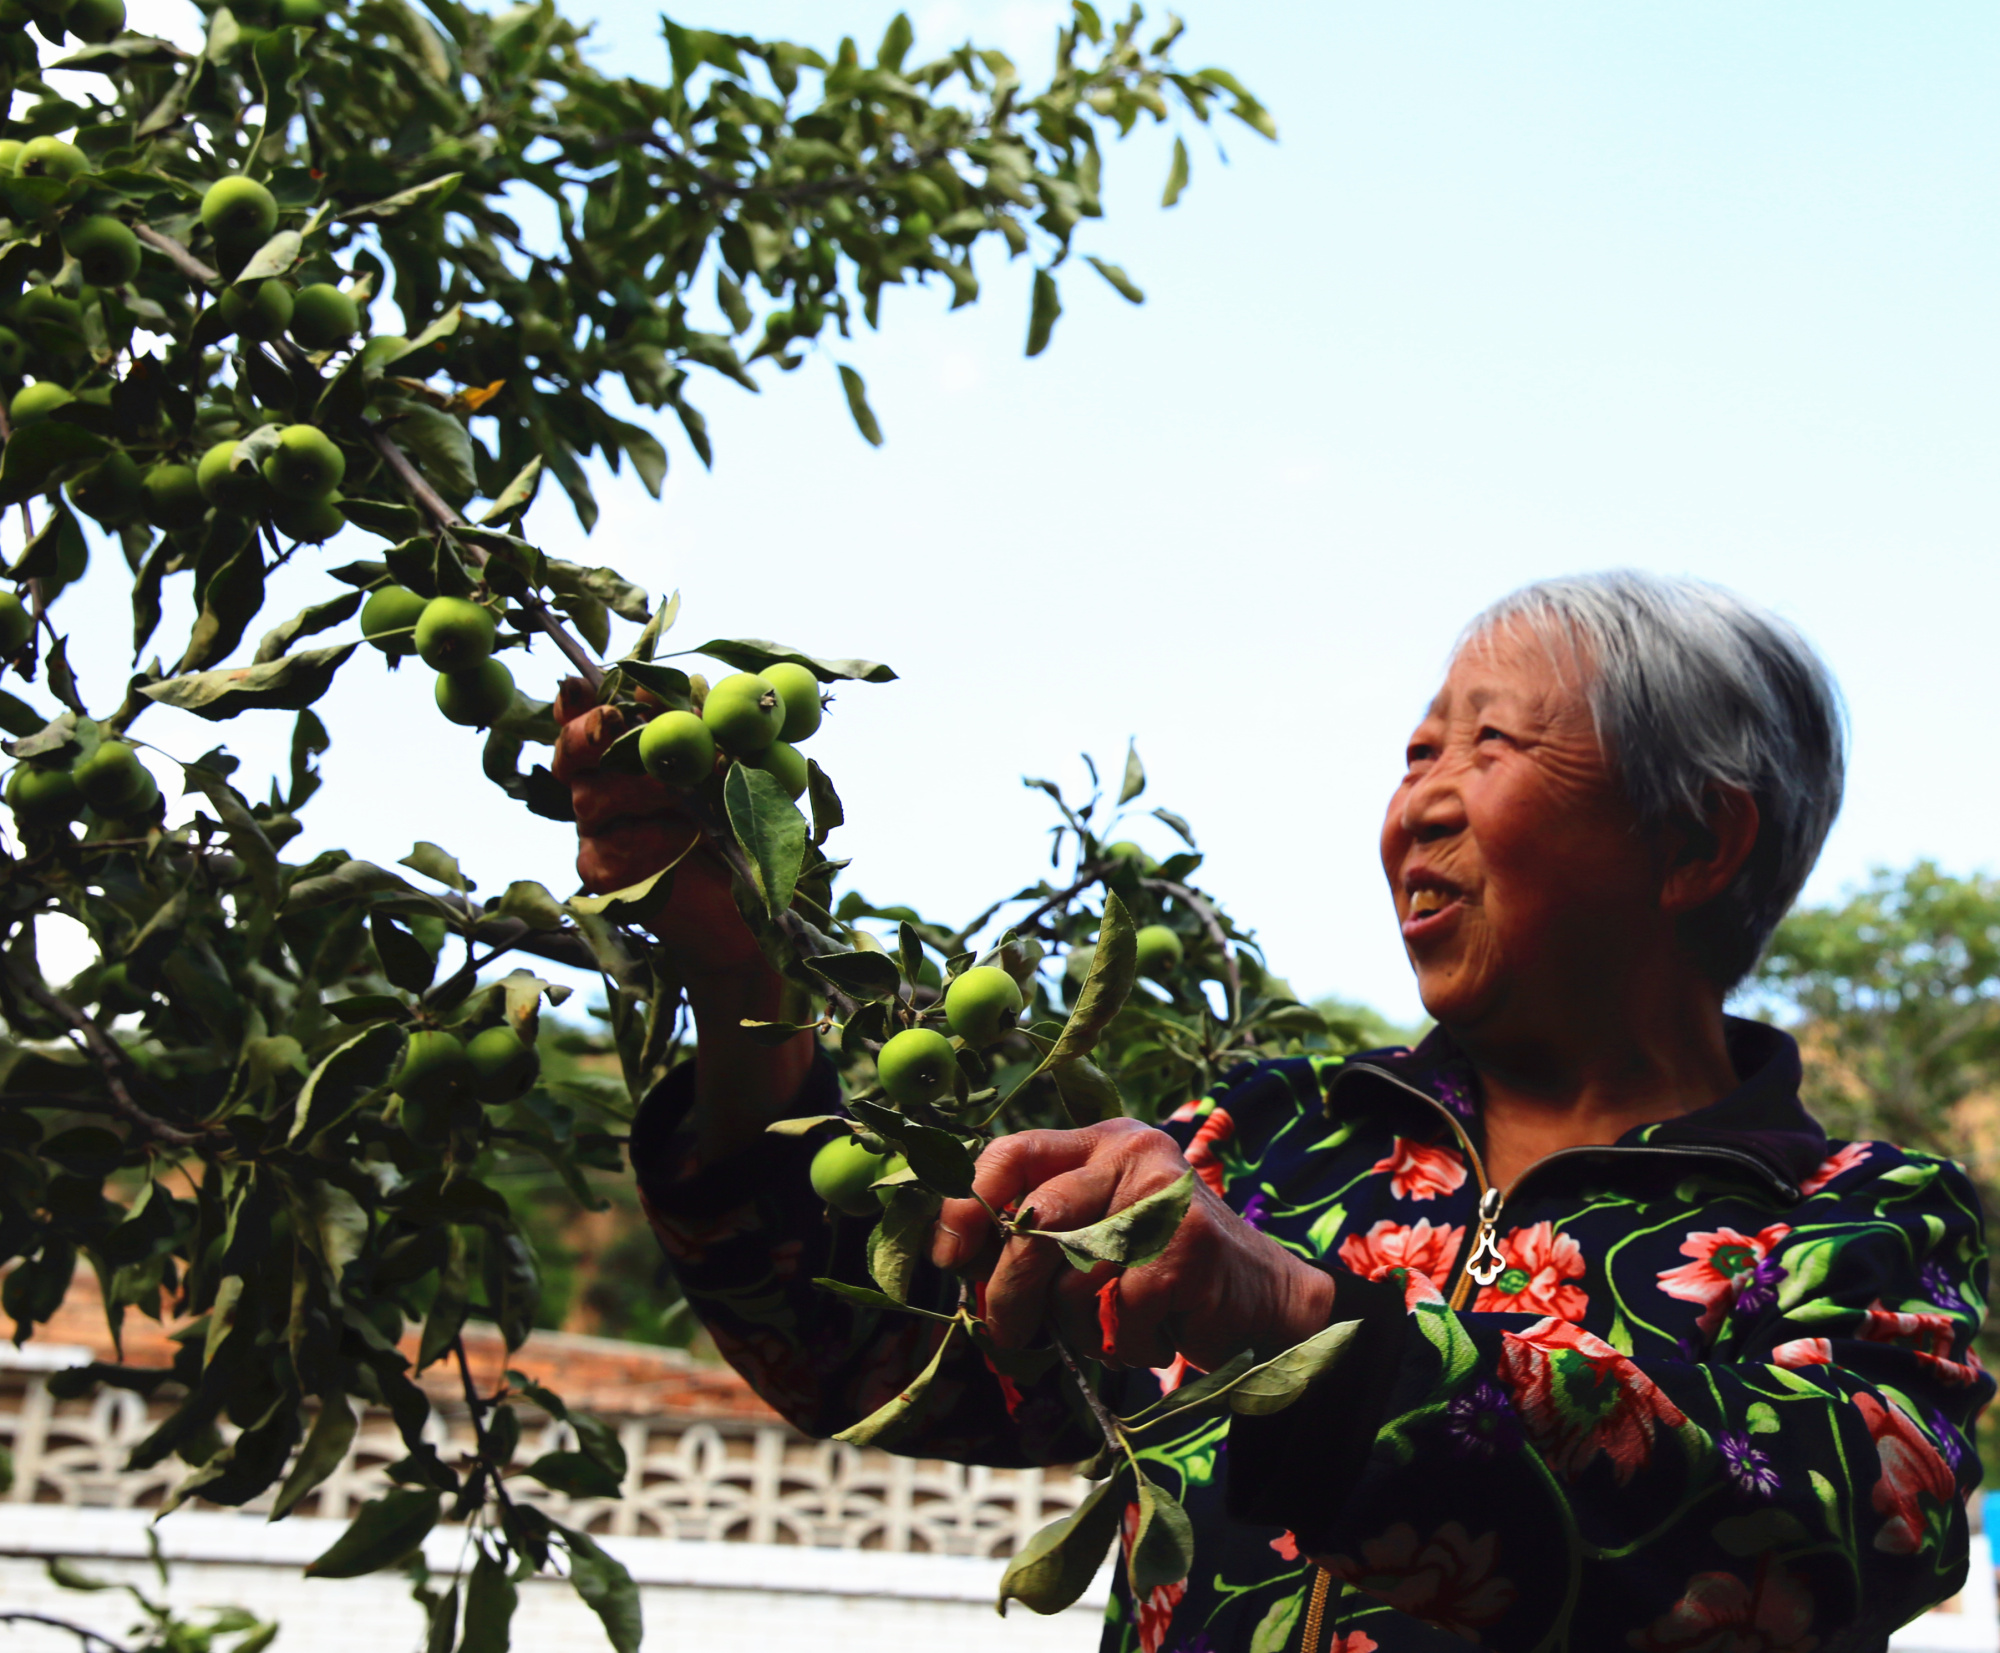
[83, 1633]
[1209, 922]
[109, 1058]
[177, 255]
[445, 517]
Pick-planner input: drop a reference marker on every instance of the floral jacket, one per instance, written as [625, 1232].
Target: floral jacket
[1709, 1388]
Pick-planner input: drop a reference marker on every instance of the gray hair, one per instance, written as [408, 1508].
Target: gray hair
[1690, 686]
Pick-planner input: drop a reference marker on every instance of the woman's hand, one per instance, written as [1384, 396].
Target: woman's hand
[1219, 1288]
[629, 827]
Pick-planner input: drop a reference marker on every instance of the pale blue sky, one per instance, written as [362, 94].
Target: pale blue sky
[1702, 288]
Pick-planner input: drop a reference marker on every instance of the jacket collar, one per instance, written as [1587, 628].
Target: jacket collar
[1762, 1120]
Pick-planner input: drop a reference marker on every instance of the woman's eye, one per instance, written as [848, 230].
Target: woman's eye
[1491, 733]
[1419, 754]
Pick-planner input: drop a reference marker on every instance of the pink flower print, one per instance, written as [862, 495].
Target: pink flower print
[1420, 1172]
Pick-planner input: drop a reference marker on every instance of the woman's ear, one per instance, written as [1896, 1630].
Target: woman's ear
[1705, 856]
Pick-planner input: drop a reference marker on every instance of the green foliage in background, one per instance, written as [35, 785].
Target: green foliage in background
[372, 273]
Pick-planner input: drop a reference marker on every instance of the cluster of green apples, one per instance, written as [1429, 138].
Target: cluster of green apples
[111, 782]
[297, 484]
[443, 1080]
[454, 636]
[758, 718]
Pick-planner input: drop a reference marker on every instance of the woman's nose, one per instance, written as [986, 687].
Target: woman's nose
[1433, 807]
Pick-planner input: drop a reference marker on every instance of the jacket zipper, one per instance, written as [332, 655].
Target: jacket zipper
[1484, 1264]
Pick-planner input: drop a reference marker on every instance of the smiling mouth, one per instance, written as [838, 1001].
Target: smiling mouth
[1428, 901]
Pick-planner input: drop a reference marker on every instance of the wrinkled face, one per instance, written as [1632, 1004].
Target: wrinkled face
[1525, 891]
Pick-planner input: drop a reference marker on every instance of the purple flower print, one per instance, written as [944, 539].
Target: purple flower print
[1757, 1288]
[1939, 1289]
[1256, 1209]
[1455, 1094]
[1748, 1467]
[1948, 1441]
[1482, 1423]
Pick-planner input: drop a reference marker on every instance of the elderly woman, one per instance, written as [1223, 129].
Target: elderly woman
[1645, 1361]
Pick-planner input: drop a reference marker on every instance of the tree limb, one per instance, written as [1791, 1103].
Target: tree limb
[445, 517]
[109, 1058]
[83, 1633]
[177, 255]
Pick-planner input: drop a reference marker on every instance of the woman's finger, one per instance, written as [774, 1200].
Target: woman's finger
[1007, 1168]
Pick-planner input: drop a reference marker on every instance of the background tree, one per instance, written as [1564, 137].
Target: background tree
[284, 1101]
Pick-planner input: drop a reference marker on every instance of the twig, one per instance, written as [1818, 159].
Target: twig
[477, 1407]
[177, 255]
[109, 1058]
[446, 518]
[1098, 1410]
[1209, 922]
[82, 1633]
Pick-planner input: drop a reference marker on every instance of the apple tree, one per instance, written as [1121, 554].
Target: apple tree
[371, 276]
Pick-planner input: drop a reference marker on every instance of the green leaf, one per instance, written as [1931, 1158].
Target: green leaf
[1053, 1569]
[898, 1244]
[40, 455]
[532, 904]
[1126, 287]
[1162, 1549]
[876, 1299]
[440, 444]
[440, 865]
[347, 882]
[320, 617]
[274, 258]
[1135, 775]
[607, 1590]
[332, 1433]
[336, 1087]
[938, 1157]
[1760, 1532]
[885, 1422]
[575, 1474]
[670, 683]
[384, 1531]
[490, 1600]
[771, 830]
[1087, 1091]
[603, 585]
[518, 495]
[1114, 967]
[753, 654]
[59, 540]
[1042, 316]
[857, 404]
[1177, 175]
[403, 201]
[626, 906]
[1196, 1393]
[862, 974]
[1133, 1236]
[513, 1285]
[290, 684]
[67, 1577]
[406, 961]
[1274, 1385]
[446, 1318]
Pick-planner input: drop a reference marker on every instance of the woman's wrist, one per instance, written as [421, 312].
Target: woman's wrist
[741, 1085]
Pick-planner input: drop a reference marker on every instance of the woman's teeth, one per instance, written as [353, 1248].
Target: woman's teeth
[1426, 902]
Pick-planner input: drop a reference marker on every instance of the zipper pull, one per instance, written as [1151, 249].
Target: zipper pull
[1486, 1264]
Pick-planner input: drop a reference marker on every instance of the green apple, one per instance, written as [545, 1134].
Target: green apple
[10, 155]
[1159, 950]
[476, 697]
[982, 1005]
[799, 690]
[106, 248]
[454, 635]
[262, 312]
[743, 713]
[842, 1173]
[1127, 851]
[323, 317]
[229, 486]
[50, 158]
[111, 491]
[435, 1068]
[306, 464]
[309, 521]
[239, 212]
[43, 797]
[303, 13]
[174, 497]
[16, 625]
[96, 22]
[504, 1066]
[112, 779]
[917, 1066]
[37, 401]
[785, 766]
[389, 618]
[678, 750]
